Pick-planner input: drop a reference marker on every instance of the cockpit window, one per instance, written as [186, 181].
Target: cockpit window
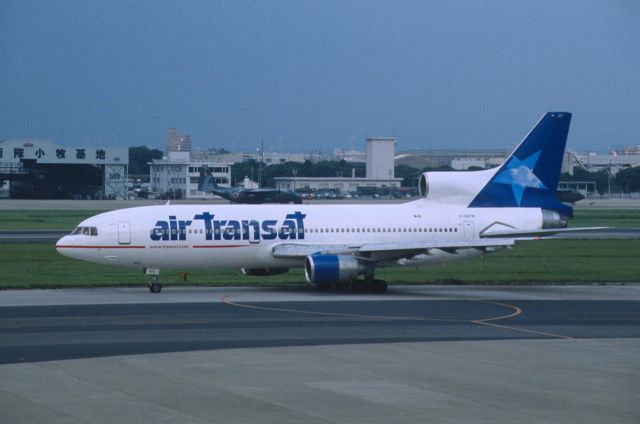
[86, 231]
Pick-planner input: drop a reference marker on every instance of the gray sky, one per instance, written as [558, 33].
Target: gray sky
[318, 74]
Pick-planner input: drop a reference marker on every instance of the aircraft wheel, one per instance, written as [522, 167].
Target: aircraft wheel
[359, 286]
[378, 286]
[155, 288]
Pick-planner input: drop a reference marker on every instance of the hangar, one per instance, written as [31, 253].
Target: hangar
[39, 169]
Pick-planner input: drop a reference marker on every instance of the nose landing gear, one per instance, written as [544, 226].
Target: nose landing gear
[154, 281]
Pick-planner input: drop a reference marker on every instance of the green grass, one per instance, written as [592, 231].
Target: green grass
[621, 218]
[43, 219]
[38, 265]
[539, 261]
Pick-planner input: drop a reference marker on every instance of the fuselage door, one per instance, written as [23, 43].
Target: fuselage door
[468, 230]
[254, 235]
[124, 233]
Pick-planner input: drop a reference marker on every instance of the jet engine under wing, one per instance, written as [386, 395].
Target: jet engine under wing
[300, 250]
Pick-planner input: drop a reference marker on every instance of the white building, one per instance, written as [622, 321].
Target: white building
[349, 155]
[380, 154]
[270, 158]
[340, 184]
[178, 172]
[596, 162]
[462, 164]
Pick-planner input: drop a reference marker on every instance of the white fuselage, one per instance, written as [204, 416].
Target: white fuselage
[243, 236]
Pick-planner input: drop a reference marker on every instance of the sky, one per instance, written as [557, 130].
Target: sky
[304, 75]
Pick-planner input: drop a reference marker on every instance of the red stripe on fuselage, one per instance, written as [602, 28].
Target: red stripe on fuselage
[98, 247]
[221, 246]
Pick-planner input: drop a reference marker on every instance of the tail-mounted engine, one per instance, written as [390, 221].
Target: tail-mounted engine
[552, 219]
[454, 186]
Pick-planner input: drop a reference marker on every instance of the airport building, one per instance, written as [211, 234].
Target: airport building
[380, 152]
[178, 175]
[597, 162]
[269, 158]
[459, 159]
[41, 169]
[177, 142]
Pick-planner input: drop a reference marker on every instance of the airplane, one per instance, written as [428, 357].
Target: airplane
[459, 215]
[207, 184]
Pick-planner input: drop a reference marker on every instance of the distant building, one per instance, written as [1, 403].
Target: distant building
[355, 156]
[177, 142]
[596, 162]
[462, 164]
[441, 157]
[380, 154]
[42, 169]
[270, 158]
[339, 184]
[248, 183]
[380, 172]
[177, 172]
[627, 150]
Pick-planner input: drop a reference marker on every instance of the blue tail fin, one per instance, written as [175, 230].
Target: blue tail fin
[529, 177]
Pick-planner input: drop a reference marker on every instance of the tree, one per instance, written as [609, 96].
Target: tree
[628, 179]
[409, 175]
[601, 178]
[139, 157]
[251, 169]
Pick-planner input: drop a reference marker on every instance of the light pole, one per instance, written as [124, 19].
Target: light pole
[609, 177]
[295, 173]
[260, 165]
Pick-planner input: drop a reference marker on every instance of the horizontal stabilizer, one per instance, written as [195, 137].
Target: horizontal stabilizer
[536, 233]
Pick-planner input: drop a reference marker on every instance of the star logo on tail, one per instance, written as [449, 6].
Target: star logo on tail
[519, 175]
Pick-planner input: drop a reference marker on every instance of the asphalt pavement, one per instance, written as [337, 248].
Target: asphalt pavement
[527, 354]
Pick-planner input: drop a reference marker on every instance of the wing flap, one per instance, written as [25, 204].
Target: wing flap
[298, 250]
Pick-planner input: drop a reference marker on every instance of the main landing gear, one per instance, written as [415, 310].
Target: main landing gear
[369, 284]
[154, 280]
[375, 286]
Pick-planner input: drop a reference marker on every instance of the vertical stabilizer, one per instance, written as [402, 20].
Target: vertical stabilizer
[529, 176]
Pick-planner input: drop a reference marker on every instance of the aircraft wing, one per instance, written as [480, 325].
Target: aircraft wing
[397, 250]
[263, 190]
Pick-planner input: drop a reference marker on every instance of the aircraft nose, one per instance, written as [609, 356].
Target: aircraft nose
[62, 244]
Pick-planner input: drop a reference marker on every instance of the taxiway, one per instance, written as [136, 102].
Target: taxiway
[447, 353]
